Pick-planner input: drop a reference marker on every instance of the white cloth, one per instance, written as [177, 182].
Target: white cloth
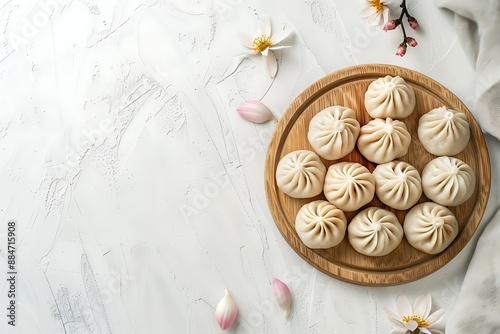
[478, 28]
[477, 309]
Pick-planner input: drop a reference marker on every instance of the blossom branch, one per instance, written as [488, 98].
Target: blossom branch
[392, 24]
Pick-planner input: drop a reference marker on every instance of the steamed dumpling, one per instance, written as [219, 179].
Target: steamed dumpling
[444, 131]
[383, 140]
[397, 184]
[320, 225]
[333, 132]
[430, 227]
[448, 181]
[300, 174]
[389, 97]
[349, 185]
[375, 232]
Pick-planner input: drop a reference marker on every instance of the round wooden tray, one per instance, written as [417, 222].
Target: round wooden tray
[347, 88]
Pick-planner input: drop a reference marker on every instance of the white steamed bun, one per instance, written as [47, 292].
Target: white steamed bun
[443, 131]
[375, 232]
[300, 174]
[349, 185]
[389, 97]
[333, 132]
[320, 225]
[430, 227]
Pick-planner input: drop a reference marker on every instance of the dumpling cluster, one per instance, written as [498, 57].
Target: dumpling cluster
[301, 174]
[349, 185]
[375, 232]
[383, 140]
[333, 132]
[320, 225]
[389, 97]
[430, 227]
[443, 131]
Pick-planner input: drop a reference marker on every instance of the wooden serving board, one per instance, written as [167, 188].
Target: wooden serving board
[347, 88]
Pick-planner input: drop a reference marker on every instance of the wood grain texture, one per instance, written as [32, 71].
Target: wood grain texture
[347, 88]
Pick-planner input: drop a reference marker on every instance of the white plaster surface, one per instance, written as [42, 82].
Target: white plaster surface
[137, 189]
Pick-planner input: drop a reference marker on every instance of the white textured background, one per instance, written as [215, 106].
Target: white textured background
[138, 191]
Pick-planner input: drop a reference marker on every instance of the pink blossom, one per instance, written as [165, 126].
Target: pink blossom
[226, 311]
[401, 49]
[412, 22]
[255, 111]
[411, 41]
[391, 25]
[282, 295]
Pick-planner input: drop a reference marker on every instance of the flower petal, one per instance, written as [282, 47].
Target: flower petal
[395, 319]
[282, 294]
[422, 305]
[385, 14]
[391, 314]
[254, 111]
[246, 40]
[424, 330]
[404, 306]
[397, 324]
[265, 52]
[265, 26]
[368, 11]
[226, 311]
[377, 19]
[279, 47]
[280, 36]
[434, 331]
[271, 64]
[428, 301]
[411, 325]
[399, 331]
[435, 317]
[235, 63]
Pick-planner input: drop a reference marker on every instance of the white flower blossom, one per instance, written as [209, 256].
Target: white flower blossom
[261, 44]
[376, 12]
[410, 318]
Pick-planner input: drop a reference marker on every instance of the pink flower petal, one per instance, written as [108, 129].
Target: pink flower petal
[226, 311]
[282, 294]
[254, 111]
[271, 64]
